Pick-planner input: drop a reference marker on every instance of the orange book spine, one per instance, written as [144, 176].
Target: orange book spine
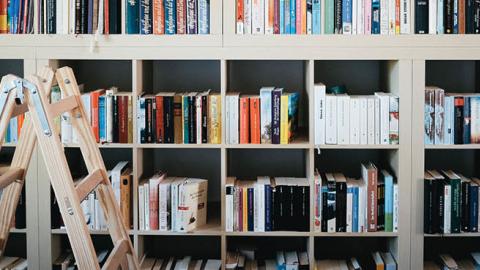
[239, 16]
[125, 198]
[20, 119]
[397, 17]
[106, 18]
[271, 15]
[255, 120]
[244, 120]
[461, 17]
[3, 16]
[304, 17]
[158, 17]
[94, 95]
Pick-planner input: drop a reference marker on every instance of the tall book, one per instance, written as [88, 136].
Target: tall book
[369, 174]
[455, 183]
[341, 202]
[266, 114]
[132, 24]
[244, 119]
[158, 17]
[181, 9]
[177, 119]
[215, 118]
[192, 204]
[276, 97]
[421, 16]
[255, 120]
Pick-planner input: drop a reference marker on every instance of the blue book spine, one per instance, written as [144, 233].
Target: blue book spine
[204, 17]
[186, 120]
[455, 16]
[268, 208]
[250, 209]
[293, 21]
[170, 17]
[355, 210]
[16, 11]
[102, 125]
[466, 125]
[347, 16]
[375, 16]
[440, 29]
[90, 17]
[146, 17]
[132, 24]
[286, 12]
[316, 17]
[473, 208]
[10, 16]
[282, 16]
[7, 134]
[388, 204]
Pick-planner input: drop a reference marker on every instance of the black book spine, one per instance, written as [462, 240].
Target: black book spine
[469, 16]
[381, 207]
[465, 207]
[421, 16]
[51, 17]
[428, 206]
[274, 209]
[341, 207]
[78, 16]
[148, 120]
[115, 117]
[204, 119]
[276, 116]
[287, 223]
[305, 208]
[434, 210]
[168, 119]
[250, 209]
[279, 201]
[466, 120]
[448, 16]
[84, 17]
[114, 12]
[476, 17]
[324, 210]
[458, 119]
[40, 20]
[192, 130]
[440, 201]
[338, 16]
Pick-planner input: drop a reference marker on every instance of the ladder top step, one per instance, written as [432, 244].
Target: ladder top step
[89, 183]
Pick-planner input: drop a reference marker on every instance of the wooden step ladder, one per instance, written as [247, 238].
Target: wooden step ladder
[18, 96]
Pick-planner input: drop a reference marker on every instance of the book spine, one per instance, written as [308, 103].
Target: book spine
[192, 12]
[3, 16]
[319, 110]
[205, 119]
[376, 17]
[256, 208]
[355, 210]
[349, 210]
[160, 126]
[458, 119]
[255, 120]
[170, 17]
[141, 120]
[421, 16]
[123, 119]
[331, 207]
[229, 212]
[276, 95]
[204, 17]
[276, 17]
[158, 17]
[174, 204]
[368, 17]
[258, 16]
[397, 16]
[115, 117]
[343, 112]
[388, 204]
[384, 119]
[475, 120]
[177, 119]
[439, 116]
[347, 17]
[429, 117]
[247, 17]
[281, 16]
[284, 136]
[192, 123]
[185, 119]
[293, 21]
[354, 121]
[380, 207]
[240, 16]
[316, 17]
[168, 119]
[268, 208]
[317, 212]
[465, 206]
[198, 120]
[372, 200]
[153, 205]
[355, 18]
[455, 16]
[325, 211]
[100, 114]
[146, 17]
[447, 208]
[370, 121]
[141, 208]
[286, 14]
[338, 23]
[266, 116]
[466, 121]
[181, 17]
[432, 17]
[298, 17]
[394, 120]
[250, 209]
[448, 16]
[405, 17]
[456, 205]
[244, 120]
[149, 120]
[331, 119]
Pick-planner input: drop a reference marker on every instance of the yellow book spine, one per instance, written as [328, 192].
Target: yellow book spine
[215, 119]
[304, 17]
[284, 119]
[245, 209]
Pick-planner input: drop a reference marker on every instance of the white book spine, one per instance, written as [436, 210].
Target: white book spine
[261, 214]
[98, 213]
[391, 16]
[59, 19]
[100, 16]
[240, 24]
[331, 120]
[349, 213]
[448, 115]
[227, 117]
[447, 208]
[234, 131]
[258, 16]
[66, 128]
[384, 119]
[268, 27]
[174, 197]
[198, 104]
[71, 17]
[182, 218]
[319, 110]
[370, 121]
[115, 180]
[309, 20]
[405, 17]
[229, 211]
[354, 121]
[163, 198]
[343, 108]
[147, 205]
[85, 210]
[394, 116]
[354, 16]
[247, 16]
[91, 210]
[141, 207]
[256, 205]
[361, 17]
[395, 208]
[362, 197]
[377, 121]
[384, 17]
[432, 17]
[363, 120]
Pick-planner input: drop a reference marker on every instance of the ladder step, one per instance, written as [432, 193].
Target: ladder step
[89, 183]
[10, 176]
[64, 105]
[19, 109]
[118, 256]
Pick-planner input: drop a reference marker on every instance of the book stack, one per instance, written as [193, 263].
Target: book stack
[248, 259]
[451, 118]
[180, 118]
[271, 117]
[344, 119]
[447, 17]
[121, 179]
[343, 204]
[375, 260]
[267, 204]
[16, 16]
[66, 260]
[177, 204]
[109, 113]
[179, 263]
[447, 261]
[14, 129]
[348, 17]
[168, 17]
[79, 16]
[15, 263]
[450, 202]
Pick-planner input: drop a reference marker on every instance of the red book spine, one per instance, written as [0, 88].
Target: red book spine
[372, 200]
[94, 113]
[276, 17]
[244, 120]
[240, 16]
[158, 17]
[298, 16]
[123, 119]
[20, 119]
[3, 16]
[25, 18]
[153, 205]
[255, 120]
[106, 17]
[181, 16]
[160, 131]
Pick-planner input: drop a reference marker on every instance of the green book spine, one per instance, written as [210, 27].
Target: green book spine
[456, 212]
[329, 18]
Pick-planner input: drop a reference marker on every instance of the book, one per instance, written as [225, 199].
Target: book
[266, 114]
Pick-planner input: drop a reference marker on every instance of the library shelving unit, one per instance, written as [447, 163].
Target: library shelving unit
[454, 76]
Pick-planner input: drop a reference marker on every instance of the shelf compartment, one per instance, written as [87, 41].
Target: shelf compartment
[11, 66]
[265, 247]
[458, 247]
[463, 161]
[197, 246]
[16, 245]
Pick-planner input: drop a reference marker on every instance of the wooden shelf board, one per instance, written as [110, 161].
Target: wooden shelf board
[20, 231]
[452, 146]
[358, 146]
[213, 229]
[453, 235]
[362, 234]
[292, 145]
[92, 232]
[102, 145]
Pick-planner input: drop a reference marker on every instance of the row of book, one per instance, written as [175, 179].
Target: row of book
[450, 202]
[344, 119]
[447, 17]
[375, 260]
[447, 261]
[181, 263]
[362, 17]
[16, 16]
[176, 204]
[267, 204]
[109, 113]
[79, 17]
[271, 117]
[121, 179]
[247, 259]
[194, 117]
[168, 17]
[14, 263]
[451, 118]
[345, 204]
[66, 260]
[14, 129]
